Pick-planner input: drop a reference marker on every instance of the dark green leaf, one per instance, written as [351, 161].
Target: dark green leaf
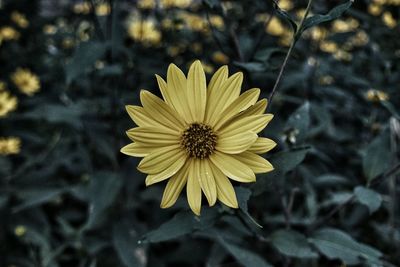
[285, 15]
[368, 197]
[292, 244]
[125, 243]
[377, 156]
[243, 196]
[299, 122]
[335, 244]
[334, 13]
[32, 198]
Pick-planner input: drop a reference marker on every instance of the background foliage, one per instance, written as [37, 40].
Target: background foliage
[69, 198]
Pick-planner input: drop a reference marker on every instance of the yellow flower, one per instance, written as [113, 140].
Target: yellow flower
[388, 20]
[144, 31]
[345, 25]
[175, 3]
[49, 29]
[146, 4]
[200, 135]
[374, 9]
[374, 95]
[20, 230]
[217, 22]
[8, 103]
[342, 55]
[19, 19]
[329, 47]
[82, 8]
[10, 145]
[27, 82]
[9, 33]
[275, 27]
[220, 57]
[286, 4]
[103, 9]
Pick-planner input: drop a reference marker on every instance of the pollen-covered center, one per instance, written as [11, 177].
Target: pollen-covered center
[199, 140]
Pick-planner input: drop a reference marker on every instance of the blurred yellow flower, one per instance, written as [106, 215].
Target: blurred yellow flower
[175, 3]
[144, 31]
[317, 33]
[342, 55]
[8, 103]
[82, 8]
[146, 4]
[275, 27]
[9, 33]
[20, 230]
[27, 82]
[103, 9]
[374, 95]
[347, 25]
[326, 80]
[200, 136]
[194, 22]
[10, 145]
[19, 19]
[389, 20]
[220, 58]
[328, 46]
[68, 43]
[286, 4]
[374, 9]
[217, 22]
[49, 29]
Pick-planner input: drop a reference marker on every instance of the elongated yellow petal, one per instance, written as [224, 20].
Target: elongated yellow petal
[256, 163]
[232, 167]
[160, 111]
[206, 179]
[215, 84]
[253, 123]
[236, 143]
[177, 90]
[257, 109]
[224, 96]
[170, 170]
[196, 91]
[159, 159]
[174, 186]
[241, 103]
[154, 135]
[193, 190]
[262, 145]
[136, 150]
[225, 192]
[140, 116]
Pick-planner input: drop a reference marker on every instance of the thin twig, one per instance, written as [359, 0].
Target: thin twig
[213, 33]
[236, 44]
[289, 52]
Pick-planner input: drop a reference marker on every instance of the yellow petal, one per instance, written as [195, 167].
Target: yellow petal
[206, 179]
[257, 163]
[136, 150]
[140, 116]
[160, 158]
[225, 192]
[262, 145]
[215, 84]
[232, 167]
[196, 91]
[177, 91]
[154, 136]
[159, 111]
[257, 109]
[241, 103]
[237, 143]
[193, 190]
[170, 170]
[224, 96]
[253, 123]
[174, 186]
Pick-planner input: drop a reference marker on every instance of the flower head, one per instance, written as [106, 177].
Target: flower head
[8, 103]
[9, 33]
[144, 31]
[27, 82]
[200, 136]
[10, 145]
[19, 19]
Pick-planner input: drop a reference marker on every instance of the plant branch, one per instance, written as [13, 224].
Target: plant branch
[296, 36]
[97, 26]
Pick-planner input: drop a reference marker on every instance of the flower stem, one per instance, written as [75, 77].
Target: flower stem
[296, 36]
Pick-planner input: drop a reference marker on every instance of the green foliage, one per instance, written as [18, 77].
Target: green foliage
[70, 198]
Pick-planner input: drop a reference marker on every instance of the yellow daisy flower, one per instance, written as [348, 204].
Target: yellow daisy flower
[200, 135]
[8, 103]
[27, 82]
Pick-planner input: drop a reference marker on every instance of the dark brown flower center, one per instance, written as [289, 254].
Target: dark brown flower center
[199, 140]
